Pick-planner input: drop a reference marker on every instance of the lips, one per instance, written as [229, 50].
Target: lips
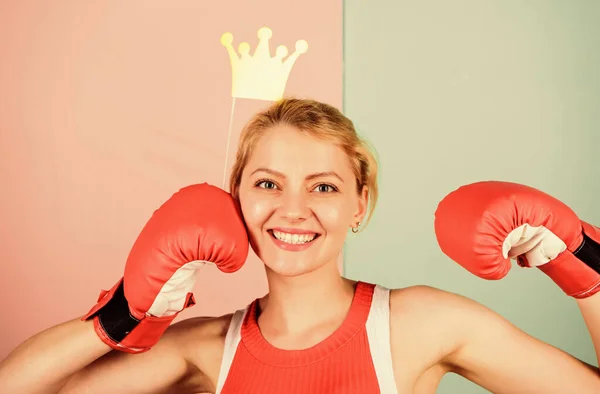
[293, 242]
[293, 236]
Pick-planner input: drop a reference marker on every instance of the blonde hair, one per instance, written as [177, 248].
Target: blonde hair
[320, 120]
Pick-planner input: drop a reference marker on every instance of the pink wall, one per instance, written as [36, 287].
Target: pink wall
[106, 109]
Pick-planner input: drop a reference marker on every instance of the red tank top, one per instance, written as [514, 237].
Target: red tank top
[342, 363]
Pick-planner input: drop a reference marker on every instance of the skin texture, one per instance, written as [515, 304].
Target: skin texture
[433, 332]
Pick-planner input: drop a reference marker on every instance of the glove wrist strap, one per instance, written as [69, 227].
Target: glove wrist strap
[578, 273]
[115, 318]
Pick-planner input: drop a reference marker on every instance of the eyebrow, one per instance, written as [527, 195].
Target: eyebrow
[309, 177]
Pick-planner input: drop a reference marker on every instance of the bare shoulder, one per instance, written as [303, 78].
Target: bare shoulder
[426, 312]
[426, 327]
[438, 314]
[427, 297]
[425, 304]
[201, 341]
[431, 304]
[440, 331]
[200, 328]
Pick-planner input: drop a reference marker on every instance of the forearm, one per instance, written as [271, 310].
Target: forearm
[590, 309]
[44, 362]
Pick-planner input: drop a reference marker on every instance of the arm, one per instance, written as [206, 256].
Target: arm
[171, 366]
[590, 306]
[495, 354]
[70, 357]
[482, 226]
[590, 310]
[33, 366]
[198, 224]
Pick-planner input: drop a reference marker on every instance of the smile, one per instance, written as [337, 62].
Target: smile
[293, 241]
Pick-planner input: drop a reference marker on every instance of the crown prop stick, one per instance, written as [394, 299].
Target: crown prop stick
[258, 77]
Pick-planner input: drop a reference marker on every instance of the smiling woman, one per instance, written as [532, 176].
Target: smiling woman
[302, 178]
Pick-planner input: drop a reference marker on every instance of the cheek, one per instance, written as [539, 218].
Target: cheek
[334, 217]
[256, 211]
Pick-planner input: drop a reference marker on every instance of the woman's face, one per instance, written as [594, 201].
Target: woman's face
[298, 197]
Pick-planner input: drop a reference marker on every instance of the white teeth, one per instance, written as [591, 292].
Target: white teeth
[294, 238]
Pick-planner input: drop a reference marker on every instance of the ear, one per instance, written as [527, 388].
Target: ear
[363, 204]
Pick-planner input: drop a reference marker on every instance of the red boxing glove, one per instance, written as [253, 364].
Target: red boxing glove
[484, 224]
[199, 224]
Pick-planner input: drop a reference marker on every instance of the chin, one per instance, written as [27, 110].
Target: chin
[290, 267]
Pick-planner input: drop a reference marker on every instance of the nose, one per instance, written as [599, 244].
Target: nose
[295, 207]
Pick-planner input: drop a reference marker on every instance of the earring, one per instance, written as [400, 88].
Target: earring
[355, 229]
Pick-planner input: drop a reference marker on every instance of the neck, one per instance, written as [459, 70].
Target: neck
[297, 304]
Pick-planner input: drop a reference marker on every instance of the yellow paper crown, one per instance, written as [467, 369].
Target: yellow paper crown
[261, 76]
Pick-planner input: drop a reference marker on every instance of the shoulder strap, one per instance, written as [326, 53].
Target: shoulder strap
[378, 332]
[232, 339]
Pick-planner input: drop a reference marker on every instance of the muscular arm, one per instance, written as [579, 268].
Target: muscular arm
[183, 361]
[70, 358]
[495, 354]
[483, 226]
[451, 333]
[44, 362]
[590, 310]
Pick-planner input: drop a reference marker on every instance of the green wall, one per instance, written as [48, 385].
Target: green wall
[451, 92]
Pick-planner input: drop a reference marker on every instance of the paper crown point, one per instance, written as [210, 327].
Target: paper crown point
[260, 76]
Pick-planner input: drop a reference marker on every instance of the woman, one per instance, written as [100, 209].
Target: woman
[302, 178]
